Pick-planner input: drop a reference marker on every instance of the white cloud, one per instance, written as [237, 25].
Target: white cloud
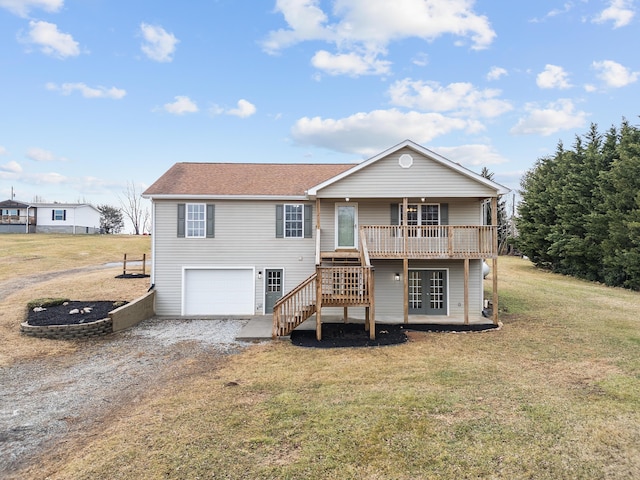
[556, 116]
[613, 74]
[371, 132]
[23, 7]
[181, 106]
[366, 27]
[472, 155]
[51, 41]
[496, 72]
[245, 109]
[11, 167]
[620, 12]
[40, 155]
[3, 151]
[553, 76]
[351, 64]
[461, 98]
[88, 92]
[158, 45]
[421, 59]
[568, 6]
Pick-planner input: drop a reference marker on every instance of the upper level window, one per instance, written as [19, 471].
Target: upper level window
[294, 221]
[196, 220]
[12, 211]
[425, 214]
[59, 215]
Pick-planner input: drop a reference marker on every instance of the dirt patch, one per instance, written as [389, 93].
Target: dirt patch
[48, 404]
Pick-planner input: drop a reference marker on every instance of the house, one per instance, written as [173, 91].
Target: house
[400, 236]
[17, 217]
[73, 218]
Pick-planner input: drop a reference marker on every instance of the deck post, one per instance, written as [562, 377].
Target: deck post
[466, 291]
[319, 304]
[405, 260]
[372, 306]
[494, 221]
[345, 315]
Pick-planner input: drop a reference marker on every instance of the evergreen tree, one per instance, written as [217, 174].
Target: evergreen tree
[580, 209]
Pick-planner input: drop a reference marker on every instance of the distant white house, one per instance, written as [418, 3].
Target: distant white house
[72, 218]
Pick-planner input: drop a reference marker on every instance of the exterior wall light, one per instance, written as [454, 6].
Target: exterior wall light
[396, 277]
[260, 275]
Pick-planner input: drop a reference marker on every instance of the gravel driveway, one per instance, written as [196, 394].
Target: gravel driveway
[45, 402]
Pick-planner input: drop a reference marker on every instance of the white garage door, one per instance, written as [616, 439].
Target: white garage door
[218, 291]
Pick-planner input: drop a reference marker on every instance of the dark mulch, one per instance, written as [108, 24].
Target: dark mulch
[59, 314]
[132, 275]
[337, 335]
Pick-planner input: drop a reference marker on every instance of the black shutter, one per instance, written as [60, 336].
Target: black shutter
[64, 215]
[444, 214]
[395, 214]
[53, 214]
[279, 221]
[308, 210]
[181, 219]
[211, 215]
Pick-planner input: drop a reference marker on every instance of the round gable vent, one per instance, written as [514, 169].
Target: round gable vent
[405, 160]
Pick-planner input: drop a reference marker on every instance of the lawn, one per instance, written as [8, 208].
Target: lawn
[554, 394]
[23, 256]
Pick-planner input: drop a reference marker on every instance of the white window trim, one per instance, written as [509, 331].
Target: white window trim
[284, 220]
[420, 205]
[55, 214]
[186, 220]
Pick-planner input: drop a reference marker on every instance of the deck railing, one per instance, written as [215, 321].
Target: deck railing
[17, 219]
[440, 241]
[345, 286]
[295, 307]
[339, 286]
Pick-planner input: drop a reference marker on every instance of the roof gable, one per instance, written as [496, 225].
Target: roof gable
[242, 179]
[441, 161]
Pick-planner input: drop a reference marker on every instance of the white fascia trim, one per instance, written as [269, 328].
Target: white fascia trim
[500, 189]
[300, 198]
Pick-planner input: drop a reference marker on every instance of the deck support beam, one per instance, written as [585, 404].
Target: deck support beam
[405, 260]
[494, 221]
[319, 306]
[466, 291]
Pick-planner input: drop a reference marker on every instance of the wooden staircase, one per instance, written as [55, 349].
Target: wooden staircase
[295, 307]
[342, 279]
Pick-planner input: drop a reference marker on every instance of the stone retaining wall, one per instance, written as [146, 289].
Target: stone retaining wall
[68, 332]
[122, 317]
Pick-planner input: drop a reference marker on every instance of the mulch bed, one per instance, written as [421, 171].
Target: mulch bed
[337, 335]
[132, 275]
[59, 314]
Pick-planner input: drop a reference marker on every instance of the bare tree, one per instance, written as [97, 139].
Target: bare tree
[133, 208]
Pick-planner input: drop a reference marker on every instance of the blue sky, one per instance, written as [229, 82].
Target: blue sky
[98, 93]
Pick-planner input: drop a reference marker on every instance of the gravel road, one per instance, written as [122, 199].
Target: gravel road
[46, 401]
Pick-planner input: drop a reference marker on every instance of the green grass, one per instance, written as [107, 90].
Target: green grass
[554, 394]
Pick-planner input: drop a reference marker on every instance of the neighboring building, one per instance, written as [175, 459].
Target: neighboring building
[17, 217]
[72, 218]
[397, 237]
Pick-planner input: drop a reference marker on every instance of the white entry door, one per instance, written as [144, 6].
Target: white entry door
[346, 225]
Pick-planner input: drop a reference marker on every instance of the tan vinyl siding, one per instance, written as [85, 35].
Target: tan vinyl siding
[426, 177]
[462, 211]
[244, 237]
[389, 294]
